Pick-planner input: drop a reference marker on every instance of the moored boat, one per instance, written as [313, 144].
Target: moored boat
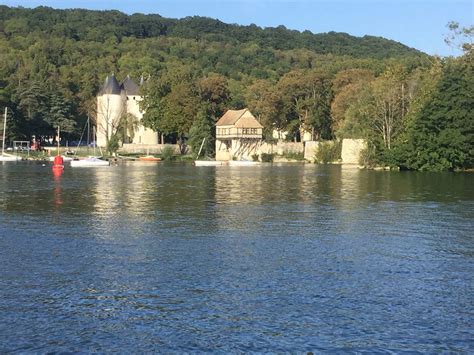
[149, 158]
[4, 156]
[209, 162]
[243, 163]
[8, 157]
[89, 162]
[65, 158]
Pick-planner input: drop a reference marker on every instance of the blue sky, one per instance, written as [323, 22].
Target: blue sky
[417, 23]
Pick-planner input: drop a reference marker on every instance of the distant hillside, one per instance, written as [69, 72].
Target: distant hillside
[88, 25]
[52, 63]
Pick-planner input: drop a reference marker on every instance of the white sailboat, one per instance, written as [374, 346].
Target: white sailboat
[198, 162]
[5, 156]
[90, 162]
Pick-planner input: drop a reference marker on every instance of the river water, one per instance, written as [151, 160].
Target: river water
[145, 257]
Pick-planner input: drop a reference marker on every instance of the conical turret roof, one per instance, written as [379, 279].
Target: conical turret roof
[130, 87]
[111, 86]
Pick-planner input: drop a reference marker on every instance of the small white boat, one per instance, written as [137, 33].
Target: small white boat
[149, 158]
[8, 157]
[4, 156]
[89, 163]
[243, 163]
[65, 158]
[209, 163]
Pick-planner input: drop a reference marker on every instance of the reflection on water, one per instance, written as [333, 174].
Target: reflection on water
[176, 258]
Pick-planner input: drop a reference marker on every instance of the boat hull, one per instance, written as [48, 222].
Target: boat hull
[65, 158]
[89, 163]
[9, 158]
[149, 158]
[243, 163]
[209, 163]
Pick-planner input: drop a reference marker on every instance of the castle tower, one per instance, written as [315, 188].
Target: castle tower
[110, 109]
[136, 133]
[117, 102]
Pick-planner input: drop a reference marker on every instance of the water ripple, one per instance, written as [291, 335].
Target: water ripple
[172, 258]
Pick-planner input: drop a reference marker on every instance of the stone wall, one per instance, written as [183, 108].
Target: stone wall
[281, 148]
[147, 148]
[351, 150]
[310, 150]
[258, 147]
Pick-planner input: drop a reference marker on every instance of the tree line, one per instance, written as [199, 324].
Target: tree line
[414, 109]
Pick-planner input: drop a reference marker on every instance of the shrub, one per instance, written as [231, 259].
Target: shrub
[255, 157]
[113, 144]
[167, 153]
[368, 157]
[327, 152]
[290, 154]
[267, 158]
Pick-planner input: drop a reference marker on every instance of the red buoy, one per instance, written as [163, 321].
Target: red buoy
[58, 160]
[58, 165]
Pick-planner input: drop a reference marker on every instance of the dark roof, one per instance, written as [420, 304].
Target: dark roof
[111, 86]
[130, 87]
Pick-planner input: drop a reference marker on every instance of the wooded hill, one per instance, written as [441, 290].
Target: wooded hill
[53, 62]
[87, 25]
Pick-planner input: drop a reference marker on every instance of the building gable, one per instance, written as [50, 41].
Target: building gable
[239, 118]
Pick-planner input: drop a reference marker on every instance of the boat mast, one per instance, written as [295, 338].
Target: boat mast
[58, 140]
[88, 131]
[202, 144]
[93, 136]
[4, 130]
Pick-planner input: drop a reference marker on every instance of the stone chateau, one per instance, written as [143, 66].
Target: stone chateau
[116, 101]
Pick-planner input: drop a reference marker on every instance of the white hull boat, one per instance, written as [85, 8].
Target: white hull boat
[209, 163]
[89, 163]
[65, 158]
[243, 163]
[6, 157]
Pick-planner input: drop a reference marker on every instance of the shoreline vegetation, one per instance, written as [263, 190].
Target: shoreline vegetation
[290, 159]
[414, 110]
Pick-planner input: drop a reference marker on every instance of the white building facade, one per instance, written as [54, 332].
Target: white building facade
[118, 106]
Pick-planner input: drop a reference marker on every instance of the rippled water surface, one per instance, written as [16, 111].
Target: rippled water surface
[175, 258]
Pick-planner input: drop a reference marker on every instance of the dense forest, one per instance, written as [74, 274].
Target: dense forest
[415, 110]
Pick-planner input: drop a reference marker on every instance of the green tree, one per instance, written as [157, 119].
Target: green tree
[307, 98]
[348, 85]
[201, 134]
[214, 92]
[113, 143]
[441, 137]
[59, 114]
[460, 37]
[389, 104]
[171, 103]
[266, 104]
[128, 126]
